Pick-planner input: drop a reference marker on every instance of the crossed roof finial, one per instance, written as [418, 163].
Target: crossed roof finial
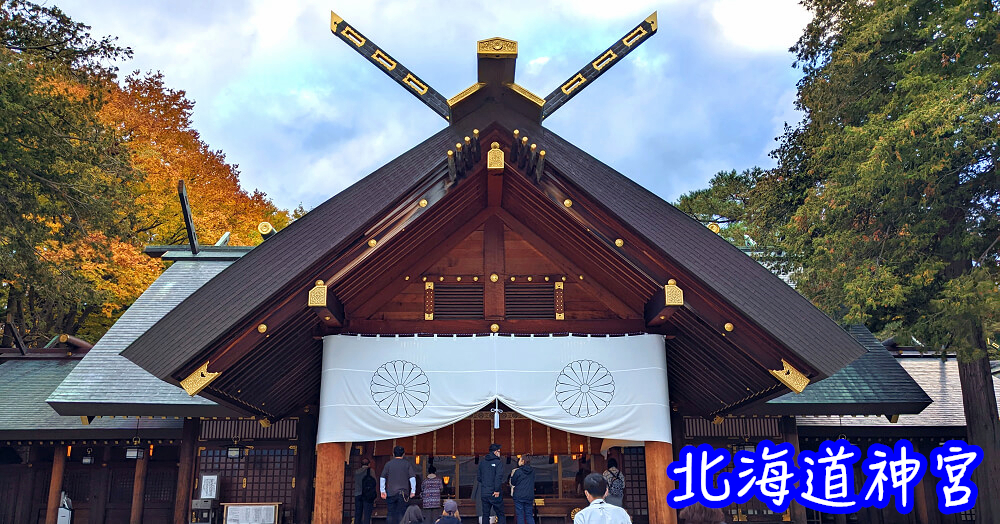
[496, 73]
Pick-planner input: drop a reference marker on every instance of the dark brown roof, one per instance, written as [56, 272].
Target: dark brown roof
[275, 266]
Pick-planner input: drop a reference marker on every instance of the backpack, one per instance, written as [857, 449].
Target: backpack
[616, 487]
[368, 491]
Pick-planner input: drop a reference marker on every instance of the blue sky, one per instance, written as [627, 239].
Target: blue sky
[304, 116]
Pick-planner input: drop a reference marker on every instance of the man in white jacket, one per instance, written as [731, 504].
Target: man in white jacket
[599, 512]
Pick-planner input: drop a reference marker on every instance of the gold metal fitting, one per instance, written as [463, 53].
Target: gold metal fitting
[568, 203]
[714, 227]
[494, 327]
[475, 279]
[197, 381]
[496, 48]
[511, 279]
[619, 242]
[529, 279]
[264, 423]
[458, 279]
[317, 295]
[729, 326]
[494, 158]
[422, 203]
[494, 277]
[261, 328]
[372, 243]
[790, 377]
[265, 228]
[673, 295]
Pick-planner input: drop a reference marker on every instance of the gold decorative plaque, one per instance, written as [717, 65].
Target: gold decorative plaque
[673, 295]
[494, 159]
[317, 295]
[496, 48]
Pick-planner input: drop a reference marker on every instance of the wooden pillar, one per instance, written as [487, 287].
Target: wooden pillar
[55, 485]
[658, 456]
[790, 432]
[139, 488]
[329, 500]
[99, 487]
[185, 470]
[304, 469]
[26, 495]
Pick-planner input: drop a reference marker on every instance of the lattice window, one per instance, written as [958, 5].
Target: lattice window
[262, 475]
[529, 300]
[121, 484]
[458, 301]
[161, 484]
[634, 468]
[76, 484]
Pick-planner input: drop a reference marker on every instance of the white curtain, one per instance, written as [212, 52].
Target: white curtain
[386, 387]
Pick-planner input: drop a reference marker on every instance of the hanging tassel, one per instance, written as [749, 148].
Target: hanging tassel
[496, 414]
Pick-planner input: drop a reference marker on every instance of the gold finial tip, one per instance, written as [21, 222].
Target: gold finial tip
[451, 153]
[671, 282]
[495, 145]
[319, 282]
[264, 228]
[652, 20]
[334, 21]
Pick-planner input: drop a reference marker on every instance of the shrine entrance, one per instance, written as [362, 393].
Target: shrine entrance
[560, 461]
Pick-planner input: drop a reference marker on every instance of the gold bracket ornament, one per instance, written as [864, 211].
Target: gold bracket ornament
[573, 83]
[603, 61]
[384, 59]
[792, 378]
[673, 295]
[415, 84]
[317, 295]
[496, 48]
[197, 381]
[494, 158]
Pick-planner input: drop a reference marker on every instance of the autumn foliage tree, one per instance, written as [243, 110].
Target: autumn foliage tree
[88, 173]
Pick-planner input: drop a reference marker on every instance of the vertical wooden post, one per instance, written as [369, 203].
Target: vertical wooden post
[185, 470]
[139, 488]
[26, 495]
[99, 488]
[790, 432]
[55, 485]
[658, 456]
[329, 501]
[306, 460]
[493, 262]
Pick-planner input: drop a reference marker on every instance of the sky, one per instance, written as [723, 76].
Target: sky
[304, 116]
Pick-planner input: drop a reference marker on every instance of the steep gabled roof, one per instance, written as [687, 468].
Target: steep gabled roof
[290, 259]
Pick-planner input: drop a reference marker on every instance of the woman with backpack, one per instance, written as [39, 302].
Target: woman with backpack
[616, 483]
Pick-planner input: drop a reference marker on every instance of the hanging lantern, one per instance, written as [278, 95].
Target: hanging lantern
[235, 451]
[134, 452]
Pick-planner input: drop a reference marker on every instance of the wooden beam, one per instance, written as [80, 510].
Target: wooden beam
[139, 488]
[659, 455]
[391, 283]
[329, 501]
[599, 292]
[55, 485]
[305, 453]
[494, 262]
[517, 326]
[185, 470]
[790, 434]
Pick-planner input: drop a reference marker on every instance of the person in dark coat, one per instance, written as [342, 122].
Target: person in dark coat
[490, 477]
[523, 482]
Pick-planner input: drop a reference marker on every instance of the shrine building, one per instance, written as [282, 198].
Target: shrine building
[493, 284]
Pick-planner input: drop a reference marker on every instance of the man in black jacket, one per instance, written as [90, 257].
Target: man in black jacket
[490, 477]
[523, 482]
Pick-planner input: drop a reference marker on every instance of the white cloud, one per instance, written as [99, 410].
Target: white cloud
[761, 25]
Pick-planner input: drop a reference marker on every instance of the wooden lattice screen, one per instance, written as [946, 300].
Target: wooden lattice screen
[634, 467]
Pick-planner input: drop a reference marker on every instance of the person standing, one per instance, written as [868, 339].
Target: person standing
[599, 512]
[523, 484]
[616, 484]
[364, 493]
[430, 494]
[450, 514]
[398, 479]
[490, 476]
